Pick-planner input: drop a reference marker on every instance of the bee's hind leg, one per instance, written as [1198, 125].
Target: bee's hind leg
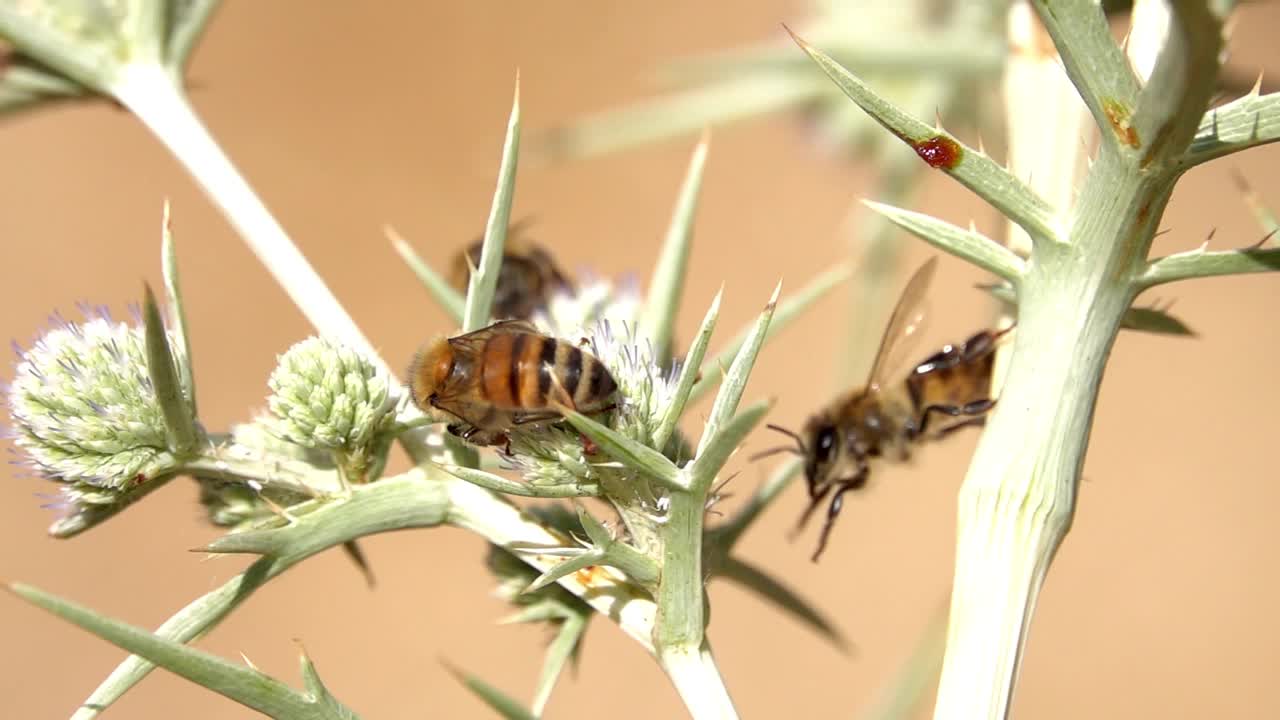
[974, 412]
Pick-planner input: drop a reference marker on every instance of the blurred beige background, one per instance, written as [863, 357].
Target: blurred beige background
[1161, 603]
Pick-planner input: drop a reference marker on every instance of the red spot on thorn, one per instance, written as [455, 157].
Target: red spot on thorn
[939, 152]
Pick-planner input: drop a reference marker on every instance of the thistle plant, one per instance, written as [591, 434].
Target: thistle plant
[120, 417]
[109, 412]
[1088, 260]
[951, 72]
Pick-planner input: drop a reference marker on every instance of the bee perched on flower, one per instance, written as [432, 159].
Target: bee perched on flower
[86, 414]
[505, 384]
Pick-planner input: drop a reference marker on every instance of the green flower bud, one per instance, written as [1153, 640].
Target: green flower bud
[84, 409]
[328, 396]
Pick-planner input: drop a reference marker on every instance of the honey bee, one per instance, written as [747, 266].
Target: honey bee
[506, 375]
[949, 390]
[527, 278]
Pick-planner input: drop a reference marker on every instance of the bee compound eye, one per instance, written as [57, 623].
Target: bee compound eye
[824, 443]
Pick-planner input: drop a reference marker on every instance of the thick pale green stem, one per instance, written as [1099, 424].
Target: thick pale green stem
[1018, 499]
[150, 92]
[694, 673]
[681, 618]
[678, 631]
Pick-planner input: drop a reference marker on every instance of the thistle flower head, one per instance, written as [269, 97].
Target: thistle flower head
[593, 300]
[84, 409]
[85, 413]
[326, 395]
[605, 316]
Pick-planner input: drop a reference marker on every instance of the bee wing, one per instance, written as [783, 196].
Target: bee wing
[904, 325]
[457, 397]
[461, 406]
[473, 342]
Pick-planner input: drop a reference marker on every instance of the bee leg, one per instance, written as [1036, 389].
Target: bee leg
[970, 422]
[975, 408]
[833, 510]
[534, 417]
[978, 345]
[815, 499]
[475, 435]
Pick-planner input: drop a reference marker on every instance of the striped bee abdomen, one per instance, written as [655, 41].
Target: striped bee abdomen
[596, 386]
[531, 371]
[586, 382]
[497, 365]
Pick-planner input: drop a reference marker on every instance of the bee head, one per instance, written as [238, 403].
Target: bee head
[431, 368]
[827, 451]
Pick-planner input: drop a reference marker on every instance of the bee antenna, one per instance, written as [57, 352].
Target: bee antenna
[799, 449]
[792, 435]
[774, 451]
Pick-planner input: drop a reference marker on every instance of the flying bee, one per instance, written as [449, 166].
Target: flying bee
[527, 278]
[506, 375]
[949, 390]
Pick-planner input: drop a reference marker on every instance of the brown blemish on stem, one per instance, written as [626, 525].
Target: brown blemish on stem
[592, 575]
[1119, 116]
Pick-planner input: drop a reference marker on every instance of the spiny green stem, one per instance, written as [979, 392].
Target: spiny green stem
[150, 92]
[694, 673]
[1200, 264]
[966, 244]
[1094, 63]
[974, 169]
[559, 653]
[244, 685]
[162, 369]
[290, 475]
[497, 483]
[411, 493]
[1018, 499]
[1241, 124]
[504, 524]
[177, 309]
[484, 281]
